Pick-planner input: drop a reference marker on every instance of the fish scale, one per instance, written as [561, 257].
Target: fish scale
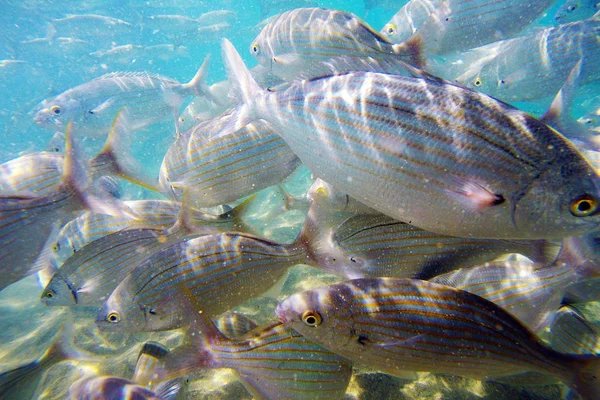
[441, 157]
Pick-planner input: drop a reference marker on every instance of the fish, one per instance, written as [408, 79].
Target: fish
[533, 66]
[140, 387]
[233, 325]
[511, 176]
[272, 361]
[220, 167]
[575, 10]
[405, 324]
[93, 105]
[530, 292]
[298, 39]
[221, 270]
[27, 220]
[571, 332]
[41, 172]
[130, 53]
[91, 274]
[378, 246]
[440, 27]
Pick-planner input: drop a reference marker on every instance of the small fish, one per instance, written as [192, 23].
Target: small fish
[90, 275]
[219, 167]
[140, 387]
[28, 220]
[273, 361]
[379, 246]
[477, 167]
[298, 39]
[441, 27]
[87, 19]
[93, 105]
[403, 324]
[571, 332]
[576, 10]
[532, 66]
[530, 292]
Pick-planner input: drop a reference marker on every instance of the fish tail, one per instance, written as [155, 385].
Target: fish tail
[200, 331]
[586, 381]
[411, 51]
[244, 87]
[114, 158]
[544, 252]
[76, 177]
[198, 85]
[581, 252]
[150, 355]
[170, 390]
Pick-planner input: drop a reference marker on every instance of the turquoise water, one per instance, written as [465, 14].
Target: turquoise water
[42, 58]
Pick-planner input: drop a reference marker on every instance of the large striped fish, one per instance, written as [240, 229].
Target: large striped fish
[296, 41]
[403, 324]
[221, 271]
[272, 361]
[441, 157]
[532, 66]
[530, 292]
[221, 167]
[441, 27]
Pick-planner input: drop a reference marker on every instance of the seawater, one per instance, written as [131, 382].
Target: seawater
[26, 326]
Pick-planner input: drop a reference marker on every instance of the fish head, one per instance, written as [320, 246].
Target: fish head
[262, 51]
[562, 200]
[124, 312]
[59, 292]
[56, 112]
[320, 314]
[63, 247]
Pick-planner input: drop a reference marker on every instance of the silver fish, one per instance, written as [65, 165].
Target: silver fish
[532, 66]
[93, 105]
[298, 39]
[423, 151]
[571, 332]
[403, 324]
[273, 361]
[458, 25]
[220, 167]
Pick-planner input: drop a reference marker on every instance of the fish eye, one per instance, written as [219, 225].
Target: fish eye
[255, 48]
[572, 7]
[55, 247]
[113, 317]
[477, 82]
[55, 109]
[49, 294]
[312, 318]
[390, 29]
[584, 206]
[321, 191]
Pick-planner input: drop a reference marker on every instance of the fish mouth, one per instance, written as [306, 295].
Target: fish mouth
[280, 312]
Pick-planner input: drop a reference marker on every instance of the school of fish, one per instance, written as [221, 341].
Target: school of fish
[441, 173]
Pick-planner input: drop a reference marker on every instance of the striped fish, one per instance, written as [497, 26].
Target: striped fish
[221, 271]
[530, 293]
[533, 66]
[27, 220]
[575, 10]
[222, 167]
[273, 361]
[442, 27]
[423, 151]
[90, 275]
[403, 324]
[571, 332]
[144, 99]
[377, 246]
[297, 40]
